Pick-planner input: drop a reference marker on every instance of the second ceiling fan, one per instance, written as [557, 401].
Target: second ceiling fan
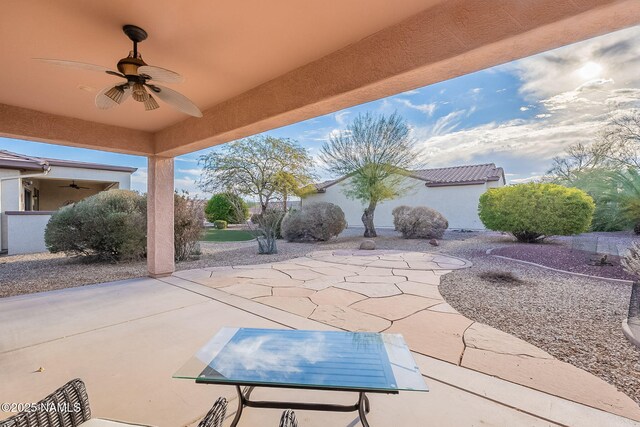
[139, 77]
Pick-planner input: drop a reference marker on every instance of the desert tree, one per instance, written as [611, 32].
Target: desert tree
[288, 185]
[254, 167]
[376, 153]
[616, 147]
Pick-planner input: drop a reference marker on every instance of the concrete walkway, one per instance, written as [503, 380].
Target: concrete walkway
[397, 292]
[125, 339]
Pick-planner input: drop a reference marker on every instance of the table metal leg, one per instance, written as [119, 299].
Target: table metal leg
[363, 408]
[362, 405]
[241, 403]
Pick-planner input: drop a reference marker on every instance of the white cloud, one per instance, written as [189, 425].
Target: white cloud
[531, 178]
[341, 117]
[446, 124]
[428, 109]
[190, 185]
[186, 160]
[196, 172]
[139, 180]
[572, 105]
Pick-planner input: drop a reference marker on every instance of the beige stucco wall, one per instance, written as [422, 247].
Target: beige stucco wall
[25, 233]
[9, 200]
[459, 204]
[122, 178]
[53, 197]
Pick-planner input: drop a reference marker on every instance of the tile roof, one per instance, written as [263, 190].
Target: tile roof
[468, 174]
[10, 160]
[439, 177]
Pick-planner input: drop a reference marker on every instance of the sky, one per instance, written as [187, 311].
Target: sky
[517, 115]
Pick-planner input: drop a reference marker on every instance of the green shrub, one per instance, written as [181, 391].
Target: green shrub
[397, 213]
[532, 212]
[110, 225]
[188, 222]
[220, 224]
[420, 222]
[227, 207]
[316, 221]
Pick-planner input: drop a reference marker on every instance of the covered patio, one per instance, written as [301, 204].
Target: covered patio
[256, 66]
[251, 67]
[125, 340]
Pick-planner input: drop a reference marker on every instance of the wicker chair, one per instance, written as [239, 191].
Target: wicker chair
[216, 414]
[68, 406]
[288, 419]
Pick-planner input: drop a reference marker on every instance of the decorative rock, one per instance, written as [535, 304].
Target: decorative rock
[368, 245]
[434, 242]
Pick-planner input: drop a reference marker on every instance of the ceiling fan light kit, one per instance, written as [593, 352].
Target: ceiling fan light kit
[139, 76]
[116, 93]
[150, 103]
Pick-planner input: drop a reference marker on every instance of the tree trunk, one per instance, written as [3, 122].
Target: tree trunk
[284, 202]
[367, 220]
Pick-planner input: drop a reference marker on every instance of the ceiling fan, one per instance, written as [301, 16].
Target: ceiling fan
[74, 186]
[139, 77]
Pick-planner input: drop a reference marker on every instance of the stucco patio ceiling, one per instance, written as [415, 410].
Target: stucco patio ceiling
[255, 65]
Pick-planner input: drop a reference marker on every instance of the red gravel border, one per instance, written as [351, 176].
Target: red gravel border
[567, 259]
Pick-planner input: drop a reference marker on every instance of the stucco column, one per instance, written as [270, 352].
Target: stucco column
[160, 250]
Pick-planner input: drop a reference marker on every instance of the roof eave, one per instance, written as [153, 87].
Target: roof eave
[21, 165]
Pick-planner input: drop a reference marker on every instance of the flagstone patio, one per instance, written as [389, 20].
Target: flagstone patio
[125, 340]
[396, 291]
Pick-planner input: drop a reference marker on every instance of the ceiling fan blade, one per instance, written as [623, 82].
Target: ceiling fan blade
[112, 95]
[176, 100]
[79, 65]
[162, 75]
[83, 188]
[63, 186]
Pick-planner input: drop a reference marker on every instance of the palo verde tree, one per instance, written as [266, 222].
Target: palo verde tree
[254, 167]
[376, 153]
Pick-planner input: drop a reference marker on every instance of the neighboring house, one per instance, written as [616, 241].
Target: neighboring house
[32, 188]
[453, 191]
[291, 204]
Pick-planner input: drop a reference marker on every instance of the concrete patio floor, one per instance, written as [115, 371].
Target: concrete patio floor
[125, 339]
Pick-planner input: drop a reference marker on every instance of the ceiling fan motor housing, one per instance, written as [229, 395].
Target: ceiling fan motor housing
[129, 65]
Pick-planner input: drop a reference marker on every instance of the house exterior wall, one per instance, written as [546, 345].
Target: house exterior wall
[10, 195]
[122, 178]
[25, 232]
[53, 197]
[459, 203]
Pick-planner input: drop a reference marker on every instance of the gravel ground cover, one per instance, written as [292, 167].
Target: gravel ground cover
[24, 274]
[565, 258]
[576, 319]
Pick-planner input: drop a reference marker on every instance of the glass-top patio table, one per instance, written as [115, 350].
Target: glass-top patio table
[361, 362]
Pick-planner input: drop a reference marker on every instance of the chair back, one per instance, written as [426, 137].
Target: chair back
[68, 406]
[216, 414]
[288, 419]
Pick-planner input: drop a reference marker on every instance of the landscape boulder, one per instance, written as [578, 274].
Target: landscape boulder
[368, 245]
